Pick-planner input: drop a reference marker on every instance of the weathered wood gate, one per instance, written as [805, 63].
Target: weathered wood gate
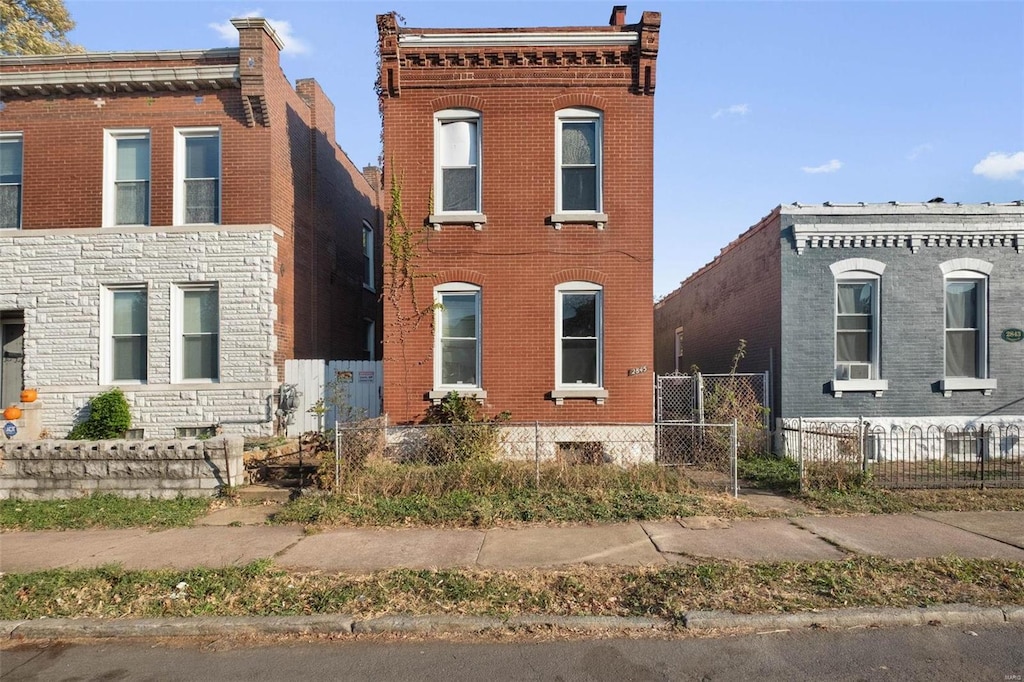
[350, 390]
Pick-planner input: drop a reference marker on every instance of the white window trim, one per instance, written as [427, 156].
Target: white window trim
[440, 217]
[18, 135]
[597, 218]
[594, 391]
[177, 330]
[859, 270]
[368, 250]
[442, 389]
[110, 138]
[179, 172]
[107, 333]
[968, 269]
[677, 337]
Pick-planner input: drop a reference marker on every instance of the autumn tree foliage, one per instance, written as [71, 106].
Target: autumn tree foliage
[35, 27]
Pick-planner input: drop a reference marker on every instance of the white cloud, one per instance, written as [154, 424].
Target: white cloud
[830, 167]
[919, 150]
[292, 44]
[1001, 166]
[735, 110]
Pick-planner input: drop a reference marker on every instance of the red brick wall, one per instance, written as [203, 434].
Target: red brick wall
[517, 258]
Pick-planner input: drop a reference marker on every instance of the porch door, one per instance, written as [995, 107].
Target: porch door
[12, 347]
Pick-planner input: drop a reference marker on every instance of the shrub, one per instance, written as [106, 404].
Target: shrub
[461, 432]
[109, 417]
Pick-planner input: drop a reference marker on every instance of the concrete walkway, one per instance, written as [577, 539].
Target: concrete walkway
[996, 535]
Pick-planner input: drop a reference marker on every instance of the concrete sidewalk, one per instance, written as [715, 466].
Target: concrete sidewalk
[996, 535]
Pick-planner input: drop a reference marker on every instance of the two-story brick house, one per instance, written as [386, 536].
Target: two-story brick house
[905, 314]
[177, 224]
[518, 209]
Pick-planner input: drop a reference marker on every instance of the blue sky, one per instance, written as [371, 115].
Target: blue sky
[757, 104]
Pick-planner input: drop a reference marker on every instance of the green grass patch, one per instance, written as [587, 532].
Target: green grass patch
[869, 500]
[262, 590]
[770, 473]
[100, 511]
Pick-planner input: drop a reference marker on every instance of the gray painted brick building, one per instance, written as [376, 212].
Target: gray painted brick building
[892, 312]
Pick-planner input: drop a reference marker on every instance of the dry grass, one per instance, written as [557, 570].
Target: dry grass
[259, 589]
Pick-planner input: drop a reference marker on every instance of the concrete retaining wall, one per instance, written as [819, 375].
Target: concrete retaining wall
[63, 469]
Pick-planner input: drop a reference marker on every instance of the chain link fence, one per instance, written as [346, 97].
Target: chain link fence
[835, 453]
[704, 453]
[719, 399]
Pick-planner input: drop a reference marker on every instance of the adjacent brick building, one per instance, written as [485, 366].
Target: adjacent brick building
[518, 209]
[898, 313]
[177, 224]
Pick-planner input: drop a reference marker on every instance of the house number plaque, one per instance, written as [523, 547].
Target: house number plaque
[1013, 335]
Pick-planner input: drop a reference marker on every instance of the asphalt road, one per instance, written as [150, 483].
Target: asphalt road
[920, 653]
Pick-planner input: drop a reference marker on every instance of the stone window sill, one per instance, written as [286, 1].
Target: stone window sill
[598, 395]
[947, 386]
[477, 394]
[598, 220]
[876, 386]
[477, 220]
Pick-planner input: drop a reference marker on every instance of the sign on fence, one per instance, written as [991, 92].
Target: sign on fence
[350, 390]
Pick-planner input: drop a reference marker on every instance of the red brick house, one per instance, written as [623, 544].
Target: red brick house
[178, 224]
[518, 203]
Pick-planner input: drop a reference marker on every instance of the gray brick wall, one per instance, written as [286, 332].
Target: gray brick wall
[911, 335]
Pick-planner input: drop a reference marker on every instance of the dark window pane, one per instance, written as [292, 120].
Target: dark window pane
[459, 191]
[458, 361]
[962, 354]
[579, 361]
[129, 312]
[199, 311]
[855, 298]
[10, 161]
[579, 189]
[132, 203]
[202, 157]
[961, 305]
[853, 347]
[129, 358]
[10, 206]
[578, 143]
[201, 201]
[133, 159]
[200, 357]
[853, 322]
[458, 318]
[579, 315]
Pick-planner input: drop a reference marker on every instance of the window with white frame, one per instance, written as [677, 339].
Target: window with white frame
[578, 331]
[679, 349]
[368, 266]
[126, 155]
[857, 326]
[578, 142]
[457, 336]
[966, 347]
[126, 334]
[197, 176]
[457, 177]
[196, 328]
[11, 153]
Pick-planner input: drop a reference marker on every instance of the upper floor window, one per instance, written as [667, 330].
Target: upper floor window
[578, 160]
[127, 321]
[368, 265]
[126, 177]
[857, 323]
[457, 179]
[11, 147]
[965, 298]
[578, 328]
[197, 172]
[457, 336]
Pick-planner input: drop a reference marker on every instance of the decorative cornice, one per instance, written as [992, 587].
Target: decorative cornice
[473, 59]
[517, 39]
[75, 81]
[912, 236]
[220, 53]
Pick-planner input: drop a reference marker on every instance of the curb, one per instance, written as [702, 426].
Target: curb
[202, 626]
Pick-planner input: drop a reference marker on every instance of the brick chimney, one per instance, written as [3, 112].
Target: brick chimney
[373, 177]
[618, 17]
[259, 52]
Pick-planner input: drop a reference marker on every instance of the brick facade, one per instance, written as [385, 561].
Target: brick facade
[286, 257]
[516, 80]
[775, 287]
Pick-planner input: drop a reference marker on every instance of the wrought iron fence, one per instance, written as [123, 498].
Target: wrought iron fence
[704, 453]
[975, 455]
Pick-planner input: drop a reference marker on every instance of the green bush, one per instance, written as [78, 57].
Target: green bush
[109, 417]
[460, 433]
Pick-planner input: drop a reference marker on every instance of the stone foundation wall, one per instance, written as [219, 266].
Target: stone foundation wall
[62, 469]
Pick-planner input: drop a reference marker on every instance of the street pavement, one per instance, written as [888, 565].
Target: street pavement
[995, 535]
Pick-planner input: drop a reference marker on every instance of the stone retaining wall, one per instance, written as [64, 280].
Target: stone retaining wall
[62, 469]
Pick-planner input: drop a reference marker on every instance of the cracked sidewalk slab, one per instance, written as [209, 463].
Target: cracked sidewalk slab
[364, 550]
[744, 540]
[1004, 526]
[544, 547]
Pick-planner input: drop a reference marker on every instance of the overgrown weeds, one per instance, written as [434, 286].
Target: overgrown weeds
[262, 590]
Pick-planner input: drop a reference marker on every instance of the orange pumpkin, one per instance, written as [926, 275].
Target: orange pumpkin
[12, 413]
[29, 395]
